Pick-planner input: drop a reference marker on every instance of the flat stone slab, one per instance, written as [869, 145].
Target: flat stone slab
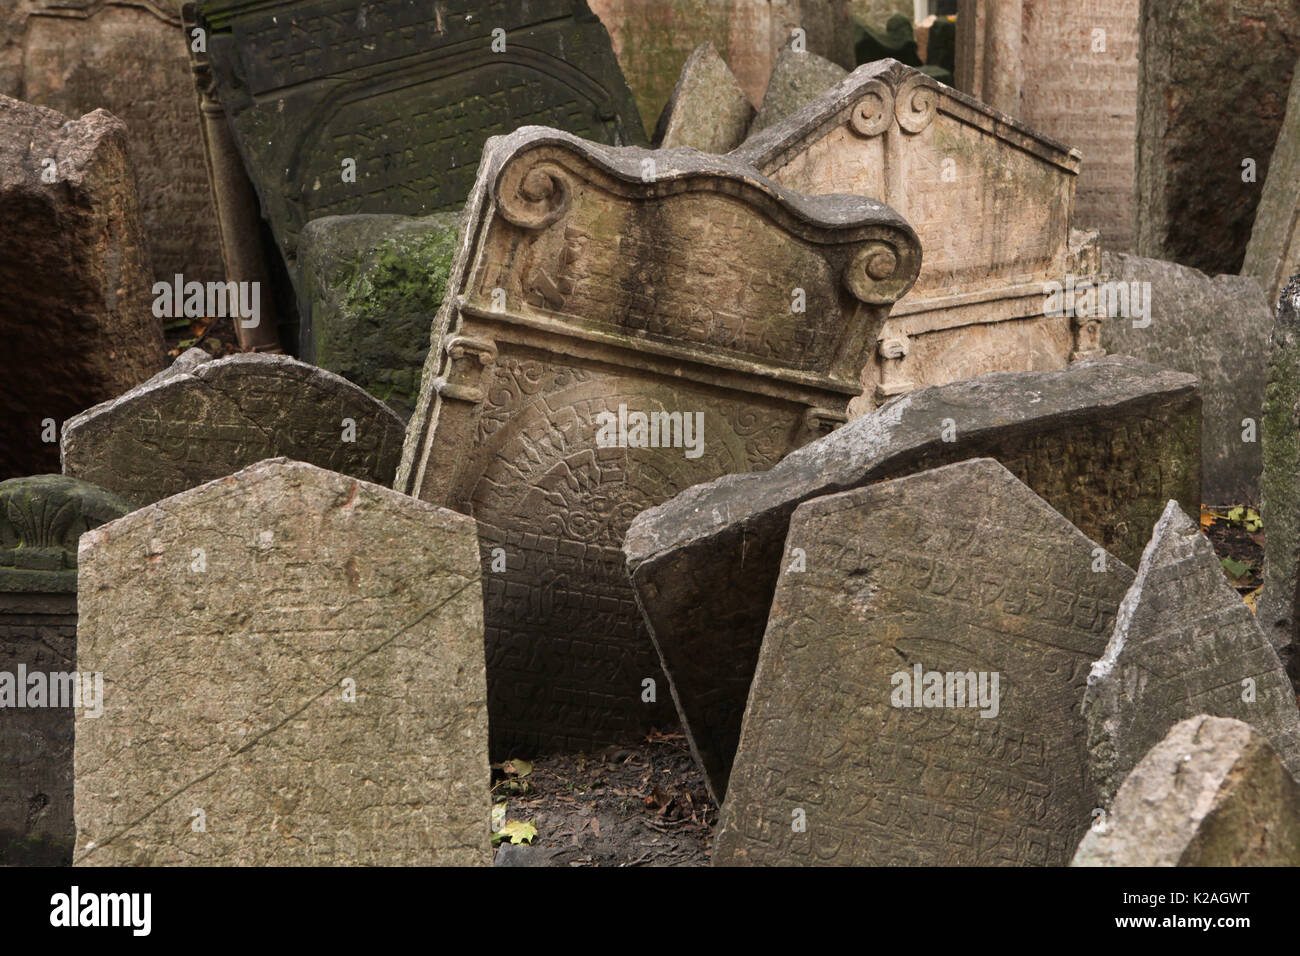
[1273, 255]
[204, 418]
[593, 289]
[1211, 793]
[293, 674]
[1184, 644]
[797, 80]
[916, 701]
[708, 110]
[1279, 604]
[1106, 442]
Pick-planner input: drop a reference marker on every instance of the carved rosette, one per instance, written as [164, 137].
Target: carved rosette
[908, 99]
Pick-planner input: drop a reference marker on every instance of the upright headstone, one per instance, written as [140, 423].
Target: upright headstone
[917, 697]
[708, 110]
[204, 418]
[991, 201]
[621, 324]
[76, 313]
[1211, 793]
[1070, 70]
[41, 519]
[130, 57]
[1214, 328]
[797, 80]
[653, 38]
[1273, 255]
[322, 700]
[1184, 644]
[1212, 90]
[1106, 443]
[1279, 603]
[369, 286]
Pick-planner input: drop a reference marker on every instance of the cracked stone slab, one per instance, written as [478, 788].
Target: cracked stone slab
[1211, 793]
[848, 755]
[1184, 644]
[1106, 442]
[203, 418]
[293, 674]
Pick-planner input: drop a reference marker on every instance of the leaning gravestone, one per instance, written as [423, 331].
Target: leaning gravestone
[1214, 328]
[1279, 603]
[129, 56]
[323, 698]
[1273, 255]
[1211, 793]
[995, 294]
[76, 312]
[621, 324]
[369, 286]
[1212, 92]
[708, 110]
[204, 418]
[41, 519]
[1184, 644]
[1106, 442]
[797, 80]
[960, 579]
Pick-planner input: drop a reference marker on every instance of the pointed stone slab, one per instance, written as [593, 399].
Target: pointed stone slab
[1273, 255]
[708, 110]
[1184, 644]
[981, 303]
[1211, 793]
[962, 570]
[204, 418]
[1279, 604]
[298, 655]
[1107, 443]
[591, 282]
[797, 80]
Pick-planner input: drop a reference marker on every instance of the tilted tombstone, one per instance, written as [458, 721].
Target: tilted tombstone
[1273, 255]
[1184, 644]
[917, 697]
[1070, 70]
[129, 57]
[41, 518]
[595, 288]
[991, 201]
[322, 701]
[1105, 442]
[708, 110]
[204, 418]
[78, 326]
[1211, 793]
[797, 80]
[1279, 603]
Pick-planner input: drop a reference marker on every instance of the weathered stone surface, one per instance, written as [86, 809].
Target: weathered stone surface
[595, 282]
[41, 518]
[1212, 793]
[981, 303]
[797, 80]
[1046, 64]
[653, 38]
[1273, 255]
[1279, 604]
[1184, 644]
[323, 699]
[961, 571]
[1214, 328]
[1107, 443]
[129, 57]
[708, 110]
[78, 328]
[1212, 91]
[369, 286]
[204, 418]
[410, 95]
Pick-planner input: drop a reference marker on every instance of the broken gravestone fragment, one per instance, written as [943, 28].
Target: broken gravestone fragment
[1184, 644]
[41, 519]
[1211, 793]
[708, 110]
[1279, 602]
[204, 418]
[1106, 442]
[1273, 255]
[619, 325]
[328, 709]
[797, 80]
[916, 701]
[370, 287]
[78, 326]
